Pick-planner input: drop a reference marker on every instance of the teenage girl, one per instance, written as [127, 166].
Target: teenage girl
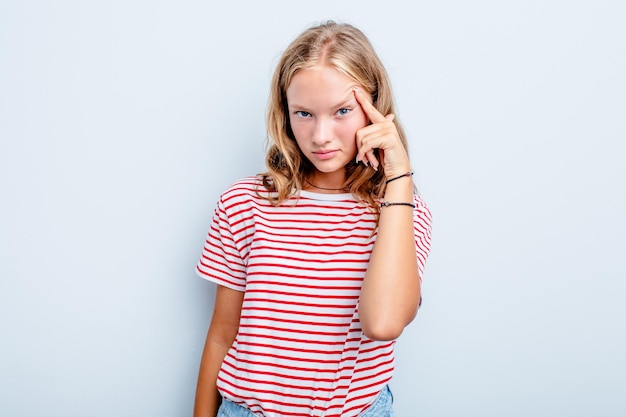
[318, 261]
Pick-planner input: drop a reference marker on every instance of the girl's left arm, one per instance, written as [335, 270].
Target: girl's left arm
[390, 294]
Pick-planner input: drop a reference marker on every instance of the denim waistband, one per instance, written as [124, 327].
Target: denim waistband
[381, 407]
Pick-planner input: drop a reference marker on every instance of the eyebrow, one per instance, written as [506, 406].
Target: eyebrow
[348, 100]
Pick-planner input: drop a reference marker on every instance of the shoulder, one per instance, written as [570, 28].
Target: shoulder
[420, 204]
[244, 185]
[244, 190]
[422, 211]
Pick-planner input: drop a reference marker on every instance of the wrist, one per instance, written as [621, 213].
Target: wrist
[406, 174]
[399, 190]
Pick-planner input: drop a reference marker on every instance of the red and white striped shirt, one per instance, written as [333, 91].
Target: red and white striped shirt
[300, 350]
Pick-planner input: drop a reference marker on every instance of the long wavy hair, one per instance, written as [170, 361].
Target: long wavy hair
[347, 49]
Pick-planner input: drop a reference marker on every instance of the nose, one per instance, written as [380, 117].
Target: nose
[323, 132]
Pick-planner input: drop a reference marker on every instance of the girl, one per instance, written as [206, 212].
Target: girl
[319, 260]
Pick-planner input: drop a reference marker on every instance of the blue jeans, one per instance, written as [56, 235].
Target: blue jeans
[382, 407]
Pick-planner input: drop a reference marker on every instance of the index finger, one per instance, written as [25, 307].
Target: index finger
[372, 112]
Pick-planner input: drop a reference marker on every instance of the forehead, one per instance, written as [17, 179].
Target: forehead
[319, 85]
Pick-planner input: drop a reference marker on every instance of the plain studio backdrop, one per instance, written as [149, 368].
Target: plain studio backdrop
[121, 122]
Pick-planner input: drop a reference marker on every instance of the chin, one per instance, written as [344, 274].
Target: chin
[330, 170]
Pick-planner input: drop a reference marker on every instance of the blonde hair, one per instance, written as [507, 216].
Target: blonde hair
[347, 49]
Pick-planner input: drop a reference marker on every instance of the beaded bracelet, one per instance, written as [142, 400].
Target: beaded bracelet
[408, 174]
[387, 204]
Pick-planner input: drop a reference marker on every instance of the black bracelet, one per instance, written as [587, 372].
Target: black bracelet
[408, 174]
[387, 204]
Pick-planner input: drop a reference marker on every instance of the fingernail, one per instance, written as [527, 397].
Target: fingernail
[357, 90]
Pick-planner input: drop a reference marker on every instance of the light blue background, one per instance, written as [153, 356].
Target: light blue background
[122, 121]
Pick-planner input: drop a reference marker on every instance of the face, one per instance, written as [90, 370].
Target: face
[325, 117]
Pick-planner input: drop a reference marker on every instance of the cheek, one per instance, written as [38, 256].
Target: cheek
[297, 129]
[348, 131]
[301, 134]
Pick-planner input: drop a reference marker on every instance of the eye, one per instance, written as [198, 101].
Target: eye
[343, 112]
[302, 113]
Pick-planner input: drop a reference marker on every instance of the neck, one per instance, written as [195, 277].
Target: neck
[324, 187]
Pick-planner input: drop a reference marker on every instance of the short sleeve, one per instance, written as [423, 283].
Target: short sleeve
[221, 261]
[422, 220]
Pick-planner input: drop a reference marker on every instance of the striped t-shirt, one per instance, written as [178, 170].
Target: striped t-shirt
[299, 350]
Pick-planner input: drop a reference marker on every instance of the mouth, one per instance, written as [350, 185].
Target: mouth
[325, 154]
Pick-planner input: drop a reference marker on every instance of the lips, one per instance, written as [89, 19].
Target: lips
[323, 155]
